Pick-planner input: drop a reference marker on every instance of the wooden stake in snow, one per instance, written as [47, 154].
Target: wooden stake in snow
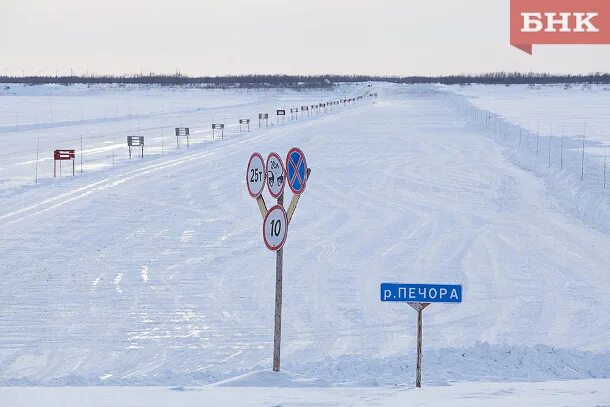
[81, 154]
[37, 148]
[582, 161]
[550, 138]
[562, 149]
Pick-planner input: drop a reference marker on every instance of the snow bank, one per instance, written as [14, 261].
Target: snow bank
[480, 362]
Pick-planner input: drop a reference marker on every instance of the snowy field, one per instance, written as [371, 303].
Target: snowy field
[467, 394]
[153, 272]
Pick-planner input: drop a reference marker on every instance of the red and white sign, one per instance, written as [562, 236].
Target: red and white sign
[559, 22]
[60, 155]
[276, 175]
[275, 228]
[255, 175]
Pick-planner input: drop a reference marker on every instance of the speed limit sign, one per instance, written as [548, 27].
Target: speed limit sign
[275, 175]
[275, 228]
[255, 175]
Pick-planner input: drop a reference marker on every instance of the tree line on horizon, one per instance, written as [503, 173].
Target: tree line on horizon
[311, 81]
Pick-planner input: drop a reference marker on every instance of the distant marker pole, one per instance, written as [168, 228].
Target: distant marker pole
[81, 153]
[604, 170]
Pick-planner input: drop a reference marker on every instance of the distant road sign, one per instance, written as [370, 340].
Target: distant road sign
[296, 170]
[421, 292]
[60, 155]
[275, 175]
[281, 112]
[255, 175]
[244, 121]
[135, 141]
[275, 228]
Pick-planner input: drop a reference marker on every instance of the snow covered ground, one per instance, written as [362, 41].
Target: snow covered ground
[153, 272]
[469, 394]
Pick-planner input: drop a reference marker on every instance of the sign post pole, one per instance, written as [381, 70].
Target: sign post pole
[277, 332]
[419, 344]
[419, 307]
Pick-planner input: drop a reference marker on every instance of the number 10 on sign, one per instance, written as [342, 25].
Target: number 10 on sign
[275, 228]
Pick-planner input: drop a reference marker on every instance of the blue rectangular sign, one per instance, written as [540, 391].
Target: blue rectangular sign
[421, 292]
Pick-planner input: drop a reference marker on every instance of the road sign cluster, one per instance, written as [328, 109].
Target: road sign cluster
[273, 174]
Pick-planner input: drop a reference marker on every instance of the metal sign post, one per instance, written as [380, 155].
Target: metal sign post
[303, 110]
[280, 113]
[136, 141]
[419, 296]
[218, 126]
[275, 222]
[182, 132]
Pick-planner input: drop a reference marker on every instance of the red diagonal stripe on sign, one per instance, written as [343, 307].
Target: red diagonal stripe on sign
[297, 171]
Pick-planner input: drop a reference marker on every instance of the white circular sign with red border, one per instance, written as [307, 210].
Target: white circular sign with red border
[276, 176]
[275, 228]
[255, 175]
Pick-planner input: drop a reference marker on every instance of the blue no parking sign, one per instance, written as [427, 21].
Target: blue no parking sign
[296, 169]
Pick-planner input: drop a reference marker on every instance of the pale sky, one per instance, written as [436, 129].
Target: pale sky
[218, 37]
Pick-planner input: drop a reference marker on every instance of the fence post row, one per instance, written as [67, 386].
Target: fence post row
[473, 112]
